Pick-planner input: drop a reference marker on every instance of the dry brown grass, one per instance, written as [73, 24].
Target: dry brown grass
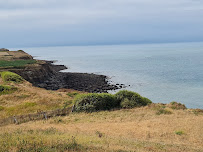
[13, 55]
[155, 128]
[29, 99]
[139, 129]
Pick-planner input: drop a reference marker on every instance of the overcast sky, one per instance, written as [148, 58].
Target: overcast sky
[25, 23]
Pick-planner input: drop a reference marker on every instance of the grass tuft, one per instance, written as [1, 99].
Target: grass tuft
[72, 94]
[163, 111]
[179, 132]
[177, 105]
[11, 77]
[7, 89]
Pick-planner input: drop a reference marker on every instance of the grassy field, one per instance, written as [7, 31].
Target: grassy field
[28, 99]
[16, 63]
[138, 129]
[153, 128]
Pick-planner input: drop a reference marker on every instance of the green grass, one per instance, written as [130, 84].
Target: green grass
[179, 132]
[6, 89]
[72, 94]
[27, 108]
[16, 63]
[11, 77]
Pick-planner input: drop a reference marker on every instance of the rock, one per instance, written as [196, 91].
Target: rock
[3, 49]
[48, 76]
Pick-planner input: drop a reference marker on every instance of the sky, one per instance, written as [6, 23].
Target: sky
[33, 23]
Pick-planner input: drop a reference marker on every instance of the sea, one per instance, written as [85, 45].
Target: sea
[161, 72]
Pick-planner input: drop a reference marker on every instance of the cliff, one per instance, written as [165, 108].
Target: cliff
[46, 75]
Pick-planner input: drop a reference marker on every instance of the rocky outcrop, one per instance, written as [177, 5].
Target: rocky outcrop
[48, 76]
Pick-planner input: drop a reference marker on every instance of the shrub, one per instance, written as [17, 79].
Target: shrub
[126, 103]
[20, 51]
[129, 99]
[95, 102]
[10, 76]
[176, 105]
[7, 89]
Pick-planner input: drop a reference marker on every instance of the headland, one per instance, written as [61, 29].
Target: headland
[47, 75]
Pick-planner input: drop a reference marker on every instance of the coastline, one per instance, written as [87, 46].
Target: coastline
[47, 75]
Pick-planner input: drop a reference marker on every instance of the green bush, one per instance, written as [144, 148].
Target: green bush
[126, 103]
[21, 51]
[129, 99]
[95, 102]
[6, 89]
[10, 76]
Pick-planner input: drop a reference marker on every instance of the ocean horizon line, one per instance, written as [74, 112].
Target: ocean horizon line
[108, 44]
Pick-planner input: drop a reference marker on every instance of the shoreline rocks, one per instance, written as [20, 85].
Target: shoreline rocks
[48, 76]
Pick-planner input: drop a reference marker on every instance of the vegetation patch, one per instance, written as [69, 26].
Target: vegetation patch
[197, 111]
[6, 89]
[23, 108]
[37, 141]
[1, 108]
[95, 102]
[16, 63]
[11, 77]
[179, 132]
[176, 105]
[129, 99]
[67, 104]
[163, 111]
[72, 94]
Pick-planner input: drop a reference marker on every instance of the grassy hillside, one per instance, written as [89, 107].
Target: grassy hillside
[138, 129]
[152, 128]
[27, 99]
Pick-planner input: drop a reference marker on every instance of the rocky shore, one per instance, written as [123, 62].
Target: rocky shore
[77, 81]
[48, 76]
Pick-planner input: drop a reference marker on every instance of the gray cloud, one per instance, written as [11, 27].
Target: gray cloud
[69, 16]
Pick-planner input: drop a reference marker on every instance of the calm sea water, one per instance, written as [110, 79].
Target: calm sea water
[161, 72]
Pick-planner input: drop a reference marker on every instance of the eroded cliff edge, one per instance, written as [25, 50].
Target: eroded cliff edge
[47, 75]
